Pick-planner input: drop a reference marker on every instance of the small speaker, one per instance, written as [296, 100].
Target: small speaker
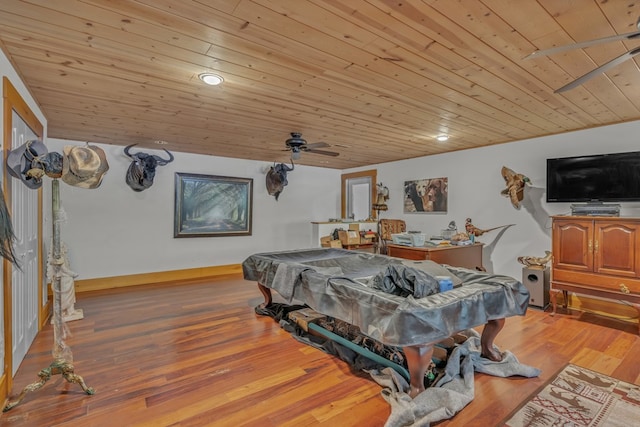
[537, 282]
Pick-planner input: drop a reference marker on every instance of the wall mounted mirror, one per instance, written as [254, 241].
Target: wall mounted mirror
[358, 194]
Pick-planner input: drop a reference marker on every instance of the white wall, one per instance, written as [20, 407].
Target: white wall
[475, 183]
[6, 70]
[113, 231]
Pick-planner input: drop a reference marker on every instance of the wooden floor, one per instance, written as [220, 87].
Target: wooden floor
[198, 355]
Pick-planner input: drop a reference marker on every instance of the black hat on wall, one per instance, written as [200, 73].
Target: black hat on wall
[23, 163]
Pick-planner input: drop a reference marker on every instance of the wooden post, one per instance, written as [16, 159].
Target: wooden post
[60, 349]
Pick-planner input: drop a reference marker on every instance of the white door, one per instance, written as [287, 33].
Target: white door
[2, 326]
[24, 215]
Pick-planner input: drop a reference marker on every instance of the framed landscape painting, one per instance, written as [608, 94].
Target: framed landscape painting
[426, 195]
[212, 206]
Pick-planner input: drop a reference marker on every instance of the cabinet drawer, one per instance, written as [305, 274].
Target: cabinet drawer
[598, 281]
[633, 298]
[407, 253]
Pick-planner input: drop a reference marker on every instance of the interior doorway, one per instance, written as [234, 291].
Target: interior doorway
[23, 296]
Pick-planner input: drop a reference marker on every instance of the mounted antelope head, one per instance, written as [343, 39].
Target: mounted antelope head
[277, 178]
[142, 169]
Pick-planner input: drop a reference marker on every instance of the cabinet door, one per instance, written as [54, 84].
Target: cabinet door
[573, 244]
[615, 248]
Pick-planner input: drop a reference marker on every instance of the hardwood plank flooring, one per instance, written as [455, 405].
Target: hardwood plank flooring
[196, 354]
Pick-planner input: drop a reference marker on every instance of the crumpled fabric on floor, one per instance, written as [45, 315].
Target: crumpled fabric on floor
[278, 311]
[356, 361]
[451, 393]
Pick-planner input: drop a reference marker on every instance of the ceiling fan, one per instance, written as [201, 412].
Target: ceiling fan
[296, 145]
[601, 69]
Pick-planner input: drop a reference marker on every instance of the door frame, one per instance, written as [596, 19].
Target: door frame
[12, 101]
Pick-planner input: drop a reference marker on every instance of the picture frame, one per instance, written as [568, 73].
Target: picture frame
[430, 195]
[212, 206]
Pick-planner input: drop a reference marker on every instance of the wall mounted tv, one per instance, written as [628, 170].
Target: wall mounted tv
[594, 179]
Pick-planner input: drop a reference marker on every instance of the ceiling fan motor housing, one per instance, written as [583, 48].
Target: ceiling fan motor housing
[296, 140]
[296, 145]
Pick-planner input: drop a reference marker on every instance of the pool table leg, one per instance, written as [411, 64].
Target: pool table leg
[418, 361]
[266, 292]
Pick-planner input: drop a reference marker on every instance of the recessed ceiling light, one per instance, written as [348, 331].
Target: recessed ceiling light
[211, 79]
[442, 138]
[160, 142]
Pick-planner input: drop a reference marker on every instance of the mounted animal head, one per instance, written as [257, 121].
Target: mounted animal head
[142, 169]
[277, 178]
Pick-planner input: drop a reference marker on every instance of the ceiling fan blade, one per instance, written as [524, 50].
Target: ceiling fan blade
[551, 51]
[324, 153]
[317, 145]
[601, 69]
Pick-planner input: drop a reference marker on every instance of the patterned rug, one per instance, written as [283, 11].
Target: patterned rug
[579, 397]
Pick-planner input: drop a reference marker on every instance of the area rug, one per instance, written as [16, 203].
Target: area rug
[580, 397]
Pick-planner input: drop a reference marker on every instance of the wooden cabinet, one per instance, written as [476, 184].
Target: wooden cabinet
[597, 256]
[364, 247]
[457, 256]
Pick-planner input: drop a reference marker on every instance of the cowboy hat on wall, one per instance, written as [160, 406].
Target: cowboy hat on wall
[80, 166]
[84, 166]
[23, 163]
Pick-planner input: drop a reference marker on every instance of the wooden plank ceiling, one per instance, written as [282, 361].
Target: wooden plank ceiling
[377, 80]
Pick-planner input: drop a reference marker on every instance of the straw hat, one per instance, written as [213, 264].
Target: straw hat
[84, 166]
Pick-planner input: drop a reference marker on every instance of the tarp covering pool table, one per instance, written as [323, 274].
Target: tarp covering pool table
[338, 283]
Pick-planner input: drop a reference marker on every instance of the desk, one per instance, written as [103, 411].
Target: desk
[458, 256]
[365, 247]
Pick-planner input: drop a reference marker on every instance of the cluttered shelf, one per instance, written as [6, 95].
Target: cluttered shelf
[389, 236]
[358, 236]
[321, 230]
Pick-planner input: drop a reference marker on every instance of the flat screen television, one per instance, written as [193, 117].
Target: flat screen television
[595, 178]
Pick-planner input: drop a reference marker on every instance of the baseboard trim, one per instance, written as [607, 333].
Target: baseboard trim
[4, 393]
[190, 274]
[45, 311]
